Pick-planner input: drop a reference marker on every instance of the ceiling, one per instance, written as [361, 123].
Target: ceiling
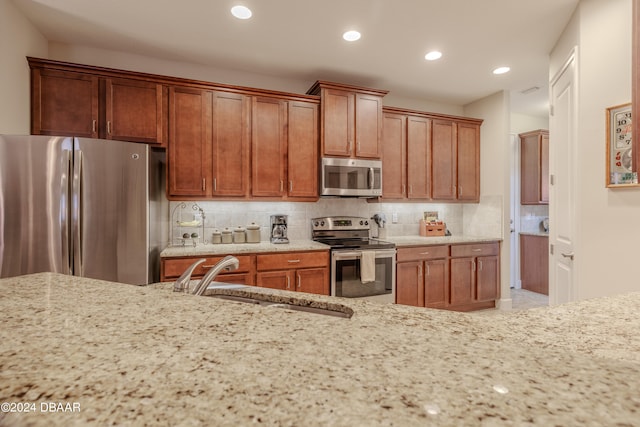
[302, 40]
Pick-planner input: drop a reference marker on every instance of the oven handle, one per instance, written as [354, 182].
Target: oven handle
[342, 255]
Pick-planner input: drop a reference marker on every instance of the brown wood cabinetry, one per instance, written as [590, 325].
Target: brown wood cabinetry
[294, 271]
[456, 160]
[189, 154]
[422, 276]
[475, 274]
[351, 120]
[534, 167]
[67, 99]
[534, 263]
[172, 268]
[406, 156]
[230, 144]
[284, 147]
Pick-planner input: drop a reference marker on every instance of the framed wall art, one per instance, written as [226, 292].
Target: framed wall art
[619, 160]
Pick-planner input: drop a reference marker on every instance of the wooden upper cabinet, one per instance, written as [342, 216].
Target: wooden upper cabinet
[534, 167]
[302, 150]
[134, 111]
[230, 145]
[351, 120]
[394, 155]
[189, 154]
[64, 103]
[268, 146]
[444, 163]
[468, 166]
[418, 160]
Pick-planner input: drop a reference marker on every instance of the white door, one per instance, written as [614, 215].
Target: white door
[562, 167]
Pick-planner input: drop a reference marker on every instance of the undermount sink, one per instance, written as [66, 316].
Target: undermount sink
[347, 313]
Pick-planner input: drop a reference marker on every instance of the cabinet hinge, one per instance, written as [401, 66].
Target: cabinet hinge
[552, 179]
[551, 249]
[551, 109]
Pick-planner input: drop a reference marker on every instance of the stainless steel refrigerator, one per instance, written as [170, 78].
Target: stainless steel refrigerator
[86, 207]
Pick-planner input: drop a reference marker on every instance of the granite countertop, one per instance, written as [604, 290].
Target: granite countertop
[534, 233]
[401, 241]
[239, 248]
[129, 355]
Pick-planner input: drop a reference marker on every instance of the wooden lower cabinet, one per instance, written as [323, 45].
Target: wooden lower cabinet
[172, 268]
[294, 271]
[534, 263]
[456, 277]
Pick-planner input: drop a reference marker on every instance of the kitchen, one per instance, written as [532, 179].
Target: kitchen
[491, 181]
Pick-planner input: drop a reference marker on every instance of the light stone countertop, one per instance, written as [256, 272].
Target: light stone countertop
[133, 356]
[401, 241]
[239, 248]
[534, 233]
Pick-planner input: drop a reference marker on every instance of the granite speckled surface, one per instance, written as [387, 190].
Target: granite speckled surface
[135, 356]
[401, 241]
[239, 248]
[534, 233]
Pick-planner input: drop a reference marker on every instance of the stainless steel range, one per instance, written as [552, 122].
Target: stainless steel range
[361, 267]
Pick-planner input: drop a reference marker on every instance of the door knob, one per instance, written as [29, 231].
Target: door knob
[569, 255]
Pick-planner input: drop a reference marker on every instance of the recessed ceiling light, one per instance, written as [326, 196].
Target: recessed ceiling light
[433, 55]
[351, 36]
[241, 12]
[501, 70]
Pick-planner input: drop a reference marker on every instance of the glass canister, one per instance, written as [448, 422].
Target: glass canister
[253, 233]
[216, 237]
[239, 235]
[227, 235]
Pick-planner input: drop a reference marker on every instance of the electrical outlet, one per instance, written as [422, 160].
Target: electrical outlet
[394, 217]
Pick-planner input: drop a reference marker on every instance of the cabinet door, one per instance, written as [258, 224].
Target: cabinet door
[436, 283]
[418, 162]
[529, 169]
[231, 135]
[338, 117]
[544, 168]
[534, 263]
[368, 125]
[394, 138]
[64, 103]
[443, 163]
[462, 272]
[134, 111]
[268, 146]
[281, 279]
[468, 166]
[313, 280]
[409, 283]
[302, 150]
[189, 159]
[487, 278]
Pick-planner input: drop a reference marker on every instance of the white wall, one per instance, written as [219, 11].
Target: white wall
[495, 175]
[18, 39]
[524, 123]
[607, 220]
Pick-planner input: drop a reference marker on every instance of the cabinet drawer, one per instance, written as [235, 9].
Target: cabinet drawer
[174, 267]
[292, 260]
[473, 250]
[422, 252]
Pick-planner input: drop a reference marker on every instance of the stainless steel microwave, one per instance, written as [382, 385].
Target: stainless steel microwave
[351, 177]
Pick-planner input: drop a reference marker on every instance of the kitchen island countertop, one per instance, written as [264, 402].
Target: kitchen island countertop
[130, 355]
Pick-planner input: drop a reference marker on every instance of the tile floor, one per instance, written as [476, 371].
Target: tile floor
[521, 300]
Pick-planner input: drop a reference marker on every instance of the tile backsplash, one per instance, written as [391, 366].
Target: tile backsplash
[482, 219]
[531, 216]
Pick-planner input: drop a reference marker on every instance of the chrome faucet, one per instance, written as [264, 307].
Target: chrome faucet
[182, 284]
[228, 263]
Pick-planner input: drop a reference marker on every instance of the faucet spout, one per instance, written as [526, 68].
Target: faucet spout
[228, 263]
[182, 284]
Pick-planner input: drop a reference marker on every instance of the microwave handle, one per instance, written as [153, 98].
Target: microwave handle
[370, 178]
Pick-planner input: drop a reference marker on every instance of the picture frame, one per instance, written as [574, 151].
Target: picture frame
[619, 171]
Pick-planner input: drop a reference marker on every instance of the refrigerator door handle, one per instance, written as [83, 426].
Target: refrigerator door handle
[77, 214]
[65, 208]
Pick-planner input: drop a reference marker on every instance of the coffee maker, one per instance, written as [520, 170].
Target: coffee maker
[279, 229]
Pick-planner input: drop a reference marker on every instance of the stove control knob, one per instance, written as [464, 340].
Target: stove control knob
[322, 223]
[366, 223]
[316, 223]
[361, 222]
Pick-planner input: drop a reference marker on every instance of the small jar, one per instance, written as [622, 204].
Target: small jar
[253, 233]
[227, 236]
[238, 235]
[216, 237]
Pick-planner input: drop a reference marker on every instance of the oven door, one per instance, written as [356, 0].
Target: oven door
[345, 275]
